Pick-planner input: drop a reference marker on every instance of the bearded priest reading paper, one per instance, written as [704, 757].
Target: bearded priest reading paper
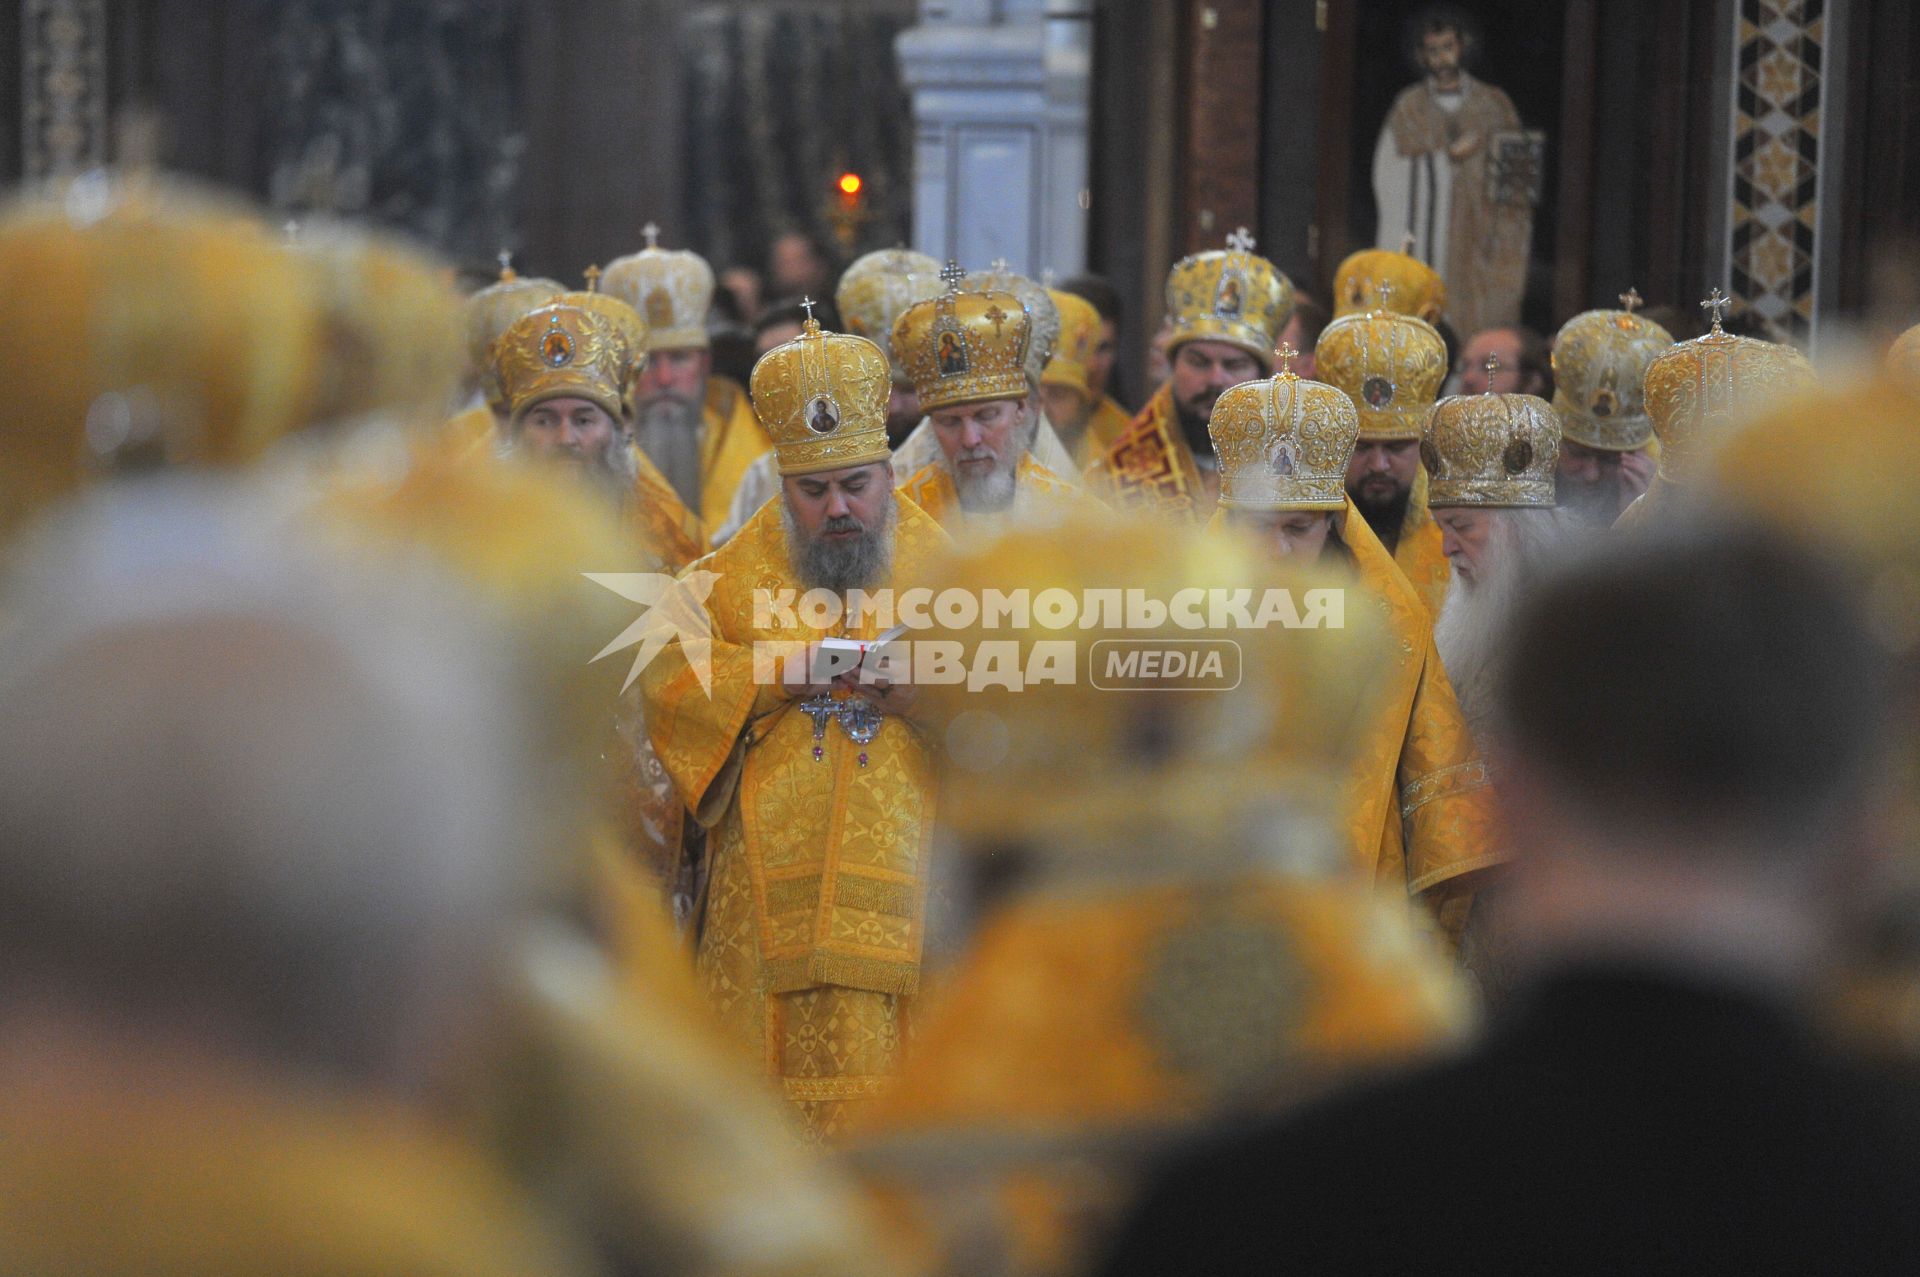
[819, 797]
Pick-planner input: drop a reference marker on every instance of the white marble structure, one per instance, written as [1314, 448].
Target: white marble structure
[1001, 94]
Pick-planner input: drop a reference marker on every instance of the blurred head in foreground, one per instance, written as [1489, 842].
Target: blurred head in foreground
[1691, 754]
[255, 808]
[1165, 929]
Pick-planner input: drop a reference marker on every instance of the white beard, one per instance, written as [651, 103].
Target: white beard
[1471, 630]
[994, 492]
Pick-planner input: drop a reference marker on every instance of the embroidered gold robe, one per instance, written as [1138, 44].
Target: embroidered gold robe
[1108, 422]
[660, 519]
[472, 431]
[1422, 815]
[1418, 553]
[815, 908]
[1035, 488]
[1151, 468]
[731, 436]
[1077, 1035]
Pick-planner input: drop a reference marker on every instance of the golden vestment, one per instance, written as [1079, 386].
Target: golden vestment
[473, 431]
[815, 908]
[129, 1178]
[1422, 814]
[1091, 1024]
[1035, 486]
[1108, 422]
[616, 1093]
[661, 520]
[730, 438]
[1418, 553]
[1150, 466]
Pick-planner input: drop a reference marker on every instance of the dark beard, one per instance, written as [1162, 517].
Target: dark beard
[860, 564]
[1194, 427]
[1385, 518]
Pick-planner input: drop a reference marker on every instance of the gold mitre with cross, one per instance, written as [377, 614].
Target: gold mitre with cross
[965, 347]
[1229, 295]
[1411, 287]
[1041, 311]
[1491, 450]
[1699, 389]
[1600, 361]
[672, 289]
[877, 289]
[392, 324]
[1391, 365]
[1283, 443]
[561, 352]
[1073, 353]
[490, 311]
[617, 315]
[823, 399]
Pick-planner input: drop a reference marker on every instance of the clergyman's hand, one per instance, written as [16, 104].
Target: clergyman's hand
[1636, 472]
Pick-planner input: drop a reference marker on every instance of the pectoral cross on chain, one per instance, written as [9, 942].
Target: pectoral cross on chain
[821, 709]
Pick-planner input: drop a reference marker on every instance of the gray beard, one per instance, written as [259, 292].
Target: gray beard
[994, 491]
[612, 476]
[1596, 505]
[860, 564]
[1471, 630]
[1470, 634]
[668, 431]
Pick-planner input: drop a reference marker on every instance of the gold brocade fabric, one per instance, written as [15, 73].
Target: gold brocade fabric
[1151, 468]
[661, 520]
[1418, 555]
[815, 912]
[1091, 1025]
[1035, 488]
[731, 438]
[1421, 813]
[115, 1177]
[471, 433]
[1108, 422]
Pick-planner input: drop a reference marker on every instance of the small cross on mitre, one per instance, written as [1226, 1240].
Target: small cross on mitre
[1630, 300]
[652, 232]
[807, 304]
[1286, 354]
[592, 276]
[1716, 305]
[952, 274]
[506, 265]
[1493, 367]
[1241, 241]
